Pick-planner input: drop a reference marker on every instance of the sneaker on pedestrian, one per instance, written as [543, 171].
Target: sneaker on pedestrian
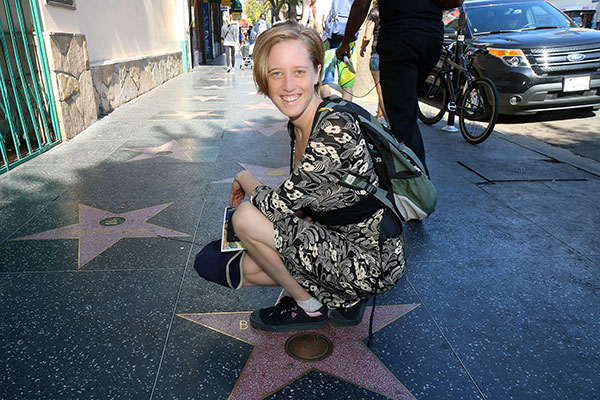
[351, 316]
[287, 316]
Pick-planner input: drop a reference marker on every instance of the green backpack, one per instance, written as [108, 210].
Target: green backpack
[403, 184]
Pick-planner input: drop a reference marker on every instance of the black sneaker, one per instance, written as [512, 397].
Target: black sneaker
[349, 316]
[287, 316]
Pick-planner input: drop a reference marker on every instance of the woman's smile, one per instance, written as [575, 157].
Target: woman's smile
[291, 98]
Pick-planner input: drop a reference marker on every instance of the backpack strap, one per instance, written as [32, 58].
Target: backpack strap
[359, 183]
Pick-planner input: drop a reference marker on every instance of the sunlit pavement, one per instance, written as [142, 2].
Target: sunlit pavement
[100, 299]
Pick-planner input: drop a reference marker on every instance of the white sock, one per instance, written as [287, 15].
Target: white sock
[311, 306]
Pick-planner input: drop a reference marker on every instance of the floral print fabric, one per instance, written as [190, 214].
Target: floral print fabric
[338, 264]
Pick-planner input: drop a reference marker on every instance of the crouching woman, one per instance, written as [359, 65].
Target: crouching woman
[317, 239]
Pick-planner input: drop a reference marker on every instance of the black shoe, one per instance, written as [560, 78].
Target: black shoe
[287, 316]
[349, 316]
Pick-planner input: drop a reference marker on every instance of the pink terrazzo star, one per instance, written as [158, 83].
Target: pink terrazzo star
[98, 229]
[188, 114]
[205, 98]
[171, 150]
[259, 106]
[212, 87]
[265, 129]
[272, 177]
[270, 368]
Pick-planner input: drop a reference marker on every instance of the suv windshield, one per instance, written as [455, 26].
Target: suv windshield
[514, 17]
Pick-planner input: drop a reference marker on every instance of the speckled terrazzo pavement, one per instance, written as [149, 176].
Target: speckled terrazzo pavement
[99, 299]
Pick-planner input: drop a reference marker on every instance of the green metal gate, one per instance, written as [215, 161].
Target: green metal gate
[28, 121]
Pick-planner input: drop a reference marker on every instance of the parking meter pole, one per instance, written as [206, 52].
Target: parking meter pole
[460, 40]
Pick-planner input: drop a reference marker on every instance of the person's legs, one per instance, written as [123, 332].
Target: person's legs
[375, 75]
[232, 57]
[380, 106]
[398, 77]
[262, 262]
[228, 57]
[374, 68]
[432, 50]
[347, 93]
[403, 66]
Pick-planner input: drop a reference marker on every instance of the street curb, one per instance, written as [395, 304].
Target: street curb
[566, 156]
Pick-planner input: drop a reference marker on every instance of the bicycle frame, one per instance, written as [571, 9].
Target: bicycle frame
[473, 100]
[452, 84]
[455, 63]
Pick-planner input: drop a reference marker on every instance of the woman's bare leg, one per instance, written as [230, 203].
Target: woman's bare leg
[380, 106]
[257, 234]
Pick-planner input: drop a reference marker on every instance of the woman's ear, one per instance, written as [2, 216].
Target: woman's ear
[318, 75]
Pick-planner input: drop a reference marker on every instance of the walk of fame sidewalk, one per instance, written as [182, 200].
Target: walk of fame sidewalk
[99, 297]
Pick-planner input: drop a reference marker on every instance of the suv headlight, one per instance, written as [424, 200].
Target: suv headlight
[512, 58]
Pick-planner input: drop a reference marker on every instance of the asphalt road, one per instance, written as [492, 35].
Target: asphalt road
[575, 130]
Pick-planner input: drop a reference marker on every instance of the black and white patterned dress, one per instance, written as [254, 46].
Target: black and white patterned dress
[338, 264]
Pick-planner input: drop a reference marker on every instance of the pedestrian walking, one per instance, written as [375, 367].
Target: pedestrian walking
[309, 11]
[251, 35]
[409, 45]
[262, 25]
[229, 39]
[334, 70]
[370, 36]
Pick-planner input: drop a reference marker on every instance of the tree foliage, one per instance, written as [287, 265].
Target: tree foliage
[254, 8]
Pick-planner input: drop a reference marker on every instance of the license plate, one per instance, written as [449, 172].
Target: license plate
[576, 84]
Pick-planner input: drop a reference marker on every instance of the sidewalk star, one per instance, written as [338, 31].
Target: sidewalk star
[265, 129]
[98, 229]
[171, 149]
[259, 106]
[213, 87]
[270, 368]
[205, 98]
[188, 114]
[271, 177]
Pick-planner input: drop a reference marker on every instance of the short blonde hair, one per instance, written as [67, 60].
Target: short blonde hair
[288, 30]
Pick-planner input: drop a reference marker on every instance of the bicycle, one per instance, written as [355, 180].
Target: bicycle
[451, 87]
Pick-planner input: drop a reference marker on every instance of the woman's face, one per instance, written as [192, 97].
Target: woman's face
[292, 78]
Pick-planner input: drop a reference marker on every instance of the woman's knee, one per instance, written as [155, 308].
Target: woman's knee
[250, 224]
[245, 218]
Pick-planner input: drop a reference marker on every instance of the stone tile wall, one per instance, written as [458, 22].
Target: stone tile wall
[76, 106]
[85, 93]
[116, 83]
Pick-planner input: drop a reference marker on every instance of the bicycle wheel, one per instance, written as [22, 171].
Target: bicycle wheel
[432, 99]
[478, 110]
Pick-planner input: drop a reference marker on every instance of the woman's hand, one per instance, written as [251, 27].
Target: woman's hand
[363, 49]
[244, 182]
[237, 193]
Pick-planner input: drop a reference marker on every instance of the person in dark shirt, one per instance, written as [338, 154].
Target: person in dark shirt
[409, 45]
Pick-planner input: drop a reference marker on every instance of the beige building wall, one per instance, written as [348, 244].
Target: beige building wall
[118, 29]
[104, 53]
[568, 5]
